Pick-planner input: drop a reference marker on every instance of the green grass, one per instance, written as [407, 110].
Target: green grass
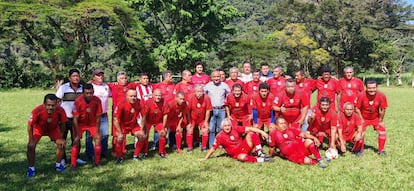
[185, 172]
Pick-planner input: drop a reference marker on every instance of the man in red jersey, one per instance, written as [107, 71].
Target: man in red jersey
[292, 146]
[238, 107]
[185, 85]
[277, 83]
[126, 115]
[350, 129]
[349, 87]
[166, 86]
[262, 108]
[87, 117]
[47, 119]
[230, 138]
[152, 115]
[233, 78]
[327, 87]
[306, 85]
[323, 121]
[177, 116]
[199, 76]
[292, 105]
[252, 87]
[199, 109]
[371, 106]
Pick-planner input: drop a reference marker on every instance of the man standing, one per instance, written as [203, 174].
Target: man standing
[265, 72]
[349, 87]
[327, 87]
[126, 116]
[371, 106]
[199, 76]
[292, 105]
[262, 108]
[233, 78]
[67, 93]
[291, 145]
[144, 88]
[230, 138]
[277, 83]
[166, 86]
[246, 75]
[238, 107]
[103, 92]
[185, 85]
[87, 117]
[47, 119]
[350, 129]
[252, 87]
[200, 110]
[306, 85]
[218, 92]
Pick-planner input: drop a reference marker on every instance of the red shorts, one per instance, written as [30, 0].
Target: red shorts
[91, 129]
[241, 122]
[349, 138]
[243, 148]
[53, 134]
[158, 127]
[261, 122]
[296, 152]
[199, 124]
[132, 130]
[374, 123]
[315, 131]
[173, 126]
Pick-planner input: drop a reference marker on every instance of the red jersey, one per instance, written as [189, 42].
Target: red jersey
[128, 114]
[285, 140]
[167, 90]
[154, 111]
[87, 112]
[231, 82]
[276, 85]
[327, 89]
[349, 90]
[370, 105]
[263, 106]
[239, 107]
[40, 119]
[175, 112]
[202, 79]
[252, 88]
[349, 125]
[119, 92]
[293, 104]
[187, 88]
[323, 121]
[230, 141]
[198, 108]
[307, 85]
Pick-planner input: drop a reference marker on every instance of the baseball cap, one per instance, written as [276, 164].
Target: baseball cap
[98, 71]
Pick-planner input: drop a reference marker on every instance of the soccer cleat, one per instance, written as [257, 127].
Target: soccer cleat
[268, 159]
[189, 151]
[204, 150]
[359, 154]
[119, 160]
[60, 168]
[382, 153]
[322, 163]
[80, 161]
[31, 173]
[63, 162]
[163, 156]
[327, 159]
[135, 158]
[263, 155]
[144, 156]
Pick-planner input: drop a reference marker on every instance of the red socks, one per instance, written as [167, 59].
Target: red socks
[189, 138]
[138, 147]
[382, 138]
[74, 156]
[204, 140]
[98, 150]
[312, 148]
[178, 138]
[162, 141]
[249, 158]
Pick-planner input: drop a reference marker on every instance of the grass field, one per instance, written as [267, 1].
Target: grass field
[185, 172]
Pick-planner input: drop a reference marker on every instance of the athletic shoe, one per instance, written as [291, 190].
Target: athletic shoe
[322, 163]
[382, 153]
[63, 162]
[327, 159]
[119, 160]
[135, 158]
[80, 161]
[163, 156]
[204, 150]
[189, 151]
[359, 154]
[60, 168]
[263, 155]
[268, 159]
[31, 173]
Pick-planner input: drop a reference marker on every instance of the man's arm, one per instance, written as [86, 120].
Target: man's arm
[209, 153]
[206, 119]
[257, 130]
[307, 135]
[303, 115]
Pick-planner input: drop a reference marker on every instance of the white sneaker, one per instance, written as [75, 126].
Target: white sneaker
[63, 162]
[80, 161]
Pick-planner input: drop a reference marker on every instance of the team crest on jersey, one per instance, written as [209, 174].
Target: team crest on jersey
[88, 110]
[349, 85]
[371, 102]
[198, 105]
[263, 104]
[237, 104]
[49, 120]
[156, 111]
[232, 138]
[132, 110]
[254, 88]
[325, 86]
[301, 85]
[322, 119]
[291, 100]
[276, 100]
[125, 89]
[285, 135]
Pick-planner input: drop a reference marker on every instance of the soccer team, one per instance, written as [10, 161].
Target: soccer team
[239, 114]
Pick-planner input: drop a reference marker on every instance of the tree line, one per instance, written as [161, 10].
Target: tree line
[41, 40]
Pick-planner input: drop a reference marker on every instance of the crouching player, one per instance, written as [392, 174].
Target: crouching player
[230, 138]
[126, 116]
[45, 120]
[87, 117]
[289, 141]
[350, 129]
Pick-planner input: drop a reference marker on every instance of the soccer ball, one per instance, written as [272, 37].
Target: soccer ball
[331, 153]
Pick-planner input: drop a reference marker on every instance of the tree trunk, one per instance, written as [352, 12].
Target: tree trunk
[388, 79]
[412, 82]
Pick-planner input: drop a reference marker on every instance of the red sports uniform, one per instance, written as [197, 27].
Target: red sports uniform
[322, 123]
[307, 85]
[202, 79]
[167, 90]
[327, 89]
[197, 109]
[277, 85]
[252, 88]
[175, 112]
[293, 104]
[264, 109]
[45, 124]
[153, 113]
[233, 142]
[231, 82]
[239, 109]
[187, 88]
[291, 145]
[349, 90]
[349, 126]
[87, 114]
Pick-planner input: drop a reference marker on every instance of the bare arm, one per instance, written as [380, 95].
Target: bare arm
[209, 153]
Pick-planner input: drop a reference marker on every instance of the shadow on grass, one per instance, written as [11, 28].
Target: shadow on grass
[5, 128]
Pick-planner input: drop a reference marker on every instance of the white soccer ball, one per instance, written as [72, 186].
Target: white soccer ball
[331, 153]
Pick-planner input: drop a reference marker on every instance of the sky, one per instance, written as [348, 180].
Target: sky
[410, 2]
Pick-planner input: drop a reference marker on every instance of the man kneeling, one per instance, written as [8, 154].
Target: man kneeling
[230, 138]
[292, 147]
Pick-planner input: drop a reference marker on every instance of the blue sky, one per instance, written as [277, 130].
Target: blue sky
[410, 2]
